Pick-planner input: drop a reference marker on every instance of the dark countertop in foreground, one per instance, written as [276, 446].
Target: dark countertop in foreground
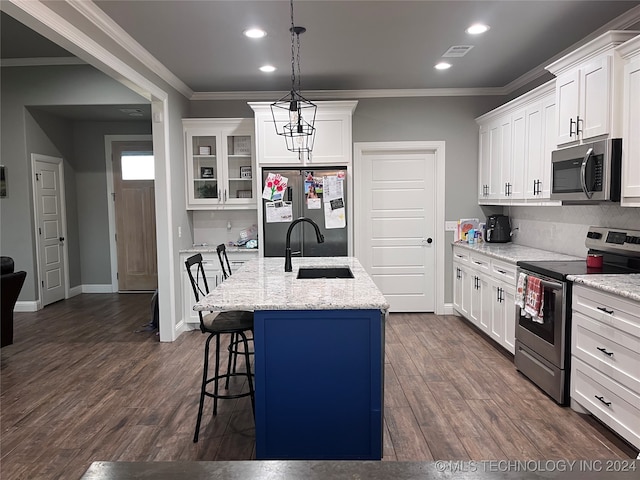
[370, 470]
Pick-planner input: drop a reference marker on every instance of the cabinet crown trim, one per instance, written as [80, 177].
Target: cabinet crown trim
[523, 100]
[630, 48]
[602, 44]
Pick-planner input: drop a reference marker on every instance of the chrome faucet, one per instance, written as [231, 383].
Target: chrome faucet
[287, 252]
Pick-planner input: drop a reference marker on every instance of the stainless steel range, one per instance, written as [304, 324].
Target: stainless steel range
[543, 344]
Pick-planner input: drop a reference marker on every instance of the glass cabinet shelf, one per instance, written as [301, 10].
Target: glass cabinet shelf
[220, 160]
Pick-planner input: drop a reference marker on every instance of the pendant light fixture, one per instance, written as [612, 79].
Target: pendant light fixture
[293, 115]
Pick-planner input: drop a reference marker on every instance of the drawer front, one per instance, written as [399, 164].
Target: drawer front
[611, 403]
[609, 309]
[613, 352]
[479, 262]
[504, 271]
[236, 260]
[460, 255]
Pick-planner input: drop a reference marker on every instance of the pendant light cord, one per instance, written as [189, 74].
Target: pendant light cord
[293, 53]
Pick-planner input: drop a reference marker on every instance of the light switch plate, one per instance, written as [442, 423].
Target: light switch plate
[450, 226]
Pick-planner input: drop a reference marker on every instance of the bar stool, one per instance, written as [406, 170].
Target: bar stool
[234, 323]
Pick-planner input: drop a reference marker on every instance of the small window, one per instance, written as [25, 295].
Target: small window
[137, 166]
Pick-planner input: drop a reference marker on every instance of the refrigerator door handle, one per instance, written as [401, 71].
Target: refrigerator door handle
[289, 194]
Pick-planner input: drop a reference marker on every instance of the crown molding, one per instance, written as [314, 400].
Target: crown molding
[352, 94]
[36, 15]
[116, 33]
[41, 61]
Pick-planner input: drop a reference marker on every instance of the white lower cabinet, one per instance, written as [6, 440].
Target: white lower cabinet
[605, 359]
[213, 272]
[484, 293]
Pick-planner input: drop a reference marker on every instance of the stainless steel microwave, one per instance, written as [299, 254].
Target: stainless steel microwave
[587, 173]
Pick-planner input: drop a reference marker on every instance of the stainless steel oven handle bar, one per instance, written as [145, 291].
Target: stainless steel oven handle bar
[583, 173]
[545, 283]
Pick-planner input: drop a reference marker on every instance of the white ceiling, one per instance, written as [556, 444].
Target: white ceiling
[357, 44]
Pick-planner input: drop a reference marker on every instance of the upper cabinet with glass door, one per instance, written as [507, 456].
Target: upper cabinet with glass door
[220, 162]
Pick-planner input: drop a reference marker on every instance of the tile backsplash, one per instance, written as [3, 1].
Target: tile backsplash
[563, 229]
[211, 227]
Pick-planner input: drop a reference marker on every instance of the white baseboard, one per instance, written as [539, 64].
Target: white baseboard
[448, 309]
[28, 306]
[106, 288]
[74, 291]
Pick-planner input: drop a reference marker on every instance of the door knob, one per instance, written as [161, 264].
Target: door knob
[61, 239]
[429, 240]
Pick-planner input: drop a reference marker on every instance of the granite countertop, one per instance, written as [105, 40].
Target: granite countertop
[212, 249]
[627, 286]
[262, 284]
[511, 252]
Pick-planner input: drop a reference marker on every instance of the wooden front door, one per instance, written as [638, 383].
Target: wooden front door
[135, 216]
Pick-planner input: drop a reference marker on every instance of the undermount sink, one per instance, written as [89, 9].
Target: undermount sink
[324, 272]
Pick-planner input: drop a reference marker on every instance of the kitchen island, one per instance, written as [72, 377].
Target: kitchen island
[319, 357]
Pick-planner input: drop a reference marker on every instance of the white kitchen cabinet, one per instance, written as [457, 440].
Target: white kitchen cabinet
[540, 142]
[220, 163]
[605, 364]
[516, 141]
[332, 144]
[588, 90]
[484, 293]
[630, 188]
[484, 164]
[461, 282]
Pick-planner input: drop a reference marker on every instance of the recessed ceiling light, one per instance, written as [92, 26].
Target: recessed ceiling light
[477, 28]
[443, 66]
[255, 33]
[267, 68]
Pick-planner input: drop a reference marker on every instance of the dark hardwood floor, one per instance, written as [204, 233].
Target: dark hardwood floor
[80, 385]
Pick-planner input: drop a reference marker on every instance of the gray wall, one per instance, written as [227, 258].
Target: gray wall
[448, 119]
[91, 185]
[22, 87]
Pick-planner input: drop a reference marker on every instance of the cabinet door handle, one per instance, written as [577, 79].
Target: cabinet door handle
[608, 404]
[219, 195]
[225, 194]
[477, 263]
[501, 271]
[610, 312]
[578, 121]
[604, 350]
[571, 122]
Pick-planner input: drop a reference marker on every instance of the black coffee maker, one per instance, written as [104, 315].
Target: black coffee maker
[497, 229]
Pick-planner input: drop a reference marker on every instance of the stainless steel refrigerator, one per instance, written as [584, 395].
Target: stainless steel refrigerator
[303, 237]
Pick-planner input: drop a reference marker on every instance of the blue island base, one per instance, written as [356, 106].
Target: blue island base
[319, 384]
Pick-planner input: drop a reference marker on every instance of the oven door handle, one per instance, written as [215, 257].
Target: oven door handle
[583, 173]
[553, 285]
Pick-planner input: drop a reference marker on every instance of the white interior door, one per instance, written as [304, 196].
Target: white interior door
[50, 227]
[397, 218]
